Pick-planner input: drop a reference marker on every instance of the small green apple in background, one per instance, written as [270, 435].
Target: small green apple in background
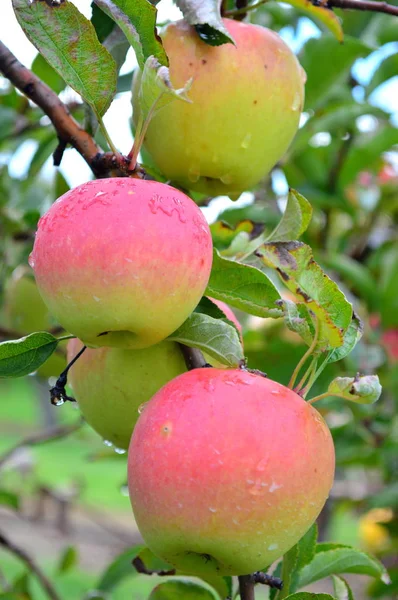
[227, 470]
[110, 384]
[122, 262]
[246, 105]
[25, 312]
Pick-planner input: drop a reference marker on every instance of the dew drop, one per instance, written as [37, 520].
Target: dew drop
[124, 490]
[227, 178]
[141, 408]
[31, 260]
[194, 174]
[212, 509]
[58, 402]
[119, 450]
[273, 547]
[261, 466]
[274, 486]
[108, 443]
[246, 141]
[296, 102]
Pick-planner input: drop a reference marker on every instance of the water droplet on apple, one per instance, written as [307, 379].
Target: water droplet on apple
[31, 260]
[212, 509]
[194, 173]
[58, 401]
[262, 464]
[303, 74]
[108, 443]
[273, 547]
[141, 407]
[227, 178]
[296, 102]
[124, 490]
[275, 392]
[119, 450]
[246, 141]
[274, 486]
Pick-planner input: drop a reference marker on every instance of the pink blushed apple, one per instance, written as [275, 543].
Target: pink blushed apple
[122, 262]
[227, 470]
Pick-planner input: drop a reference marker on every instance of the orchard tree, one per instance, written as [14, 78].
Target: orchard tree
[232, 437]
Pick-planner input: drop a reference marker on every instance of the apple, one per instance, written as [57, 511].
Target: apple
[245, 110]
[25, 312]
[227, 470]
[110, 384]
[24, 309]
[122, 262]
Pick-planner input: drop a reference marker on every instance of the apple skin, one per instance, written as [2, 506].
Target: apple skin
[110, 384]
[25, 312]
[227, 470]
[122, 262]
[245, 110]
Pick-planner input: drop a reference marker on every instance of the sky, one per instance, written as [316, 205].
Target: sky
[117, 118]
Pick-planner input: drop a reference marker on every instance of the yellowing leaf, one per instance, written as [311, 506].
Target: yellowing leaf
[325, 15]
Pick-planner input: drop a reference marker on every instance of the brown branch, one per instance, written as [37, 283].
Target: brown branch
[48, 435]
[193, 357]
[246, 587]
[32, 566]
[370, 5]
[103, 164]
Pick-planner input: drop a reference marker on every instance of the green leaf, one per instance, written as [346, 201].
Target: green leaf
[385, 71]
[103, 24]
[24, 356]
[340, 560]
[176, 589]
[306, 547]
[351, 337]
[366, 153]
[137, 20]
[327, 64]
[69, 559]
[325, 15]
[363, 390]
[296, 267]
[224, 234]
[342, 590]
[207, 307]
[68, 42]
[120, 568]
[356, 275]
[243, 287]
[205, 16]
[295, 219]
[9, 499]
[46, 73]
[156, 89]
[215, 337]
[288, 568]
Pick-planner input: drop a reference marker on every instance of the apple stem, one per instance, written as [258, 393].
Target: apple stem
[304, 358]
[58, 393]
[193, 357]
[246, 587]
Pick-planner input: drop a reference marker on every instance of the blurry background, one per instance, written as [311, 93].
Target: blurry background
[65, 501]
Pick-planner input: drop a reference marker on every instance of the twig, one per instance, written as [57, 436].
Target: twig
[382, 7]
[246, 587]
[141, 568]
[58, 393]
[242, 10]
[103, 164]
[32, 566]
[194, 359]
[48, 435]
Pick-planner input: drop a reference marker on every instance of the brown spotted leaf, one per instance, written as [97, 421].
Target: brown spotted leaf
[295, 265]
[69, 43]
